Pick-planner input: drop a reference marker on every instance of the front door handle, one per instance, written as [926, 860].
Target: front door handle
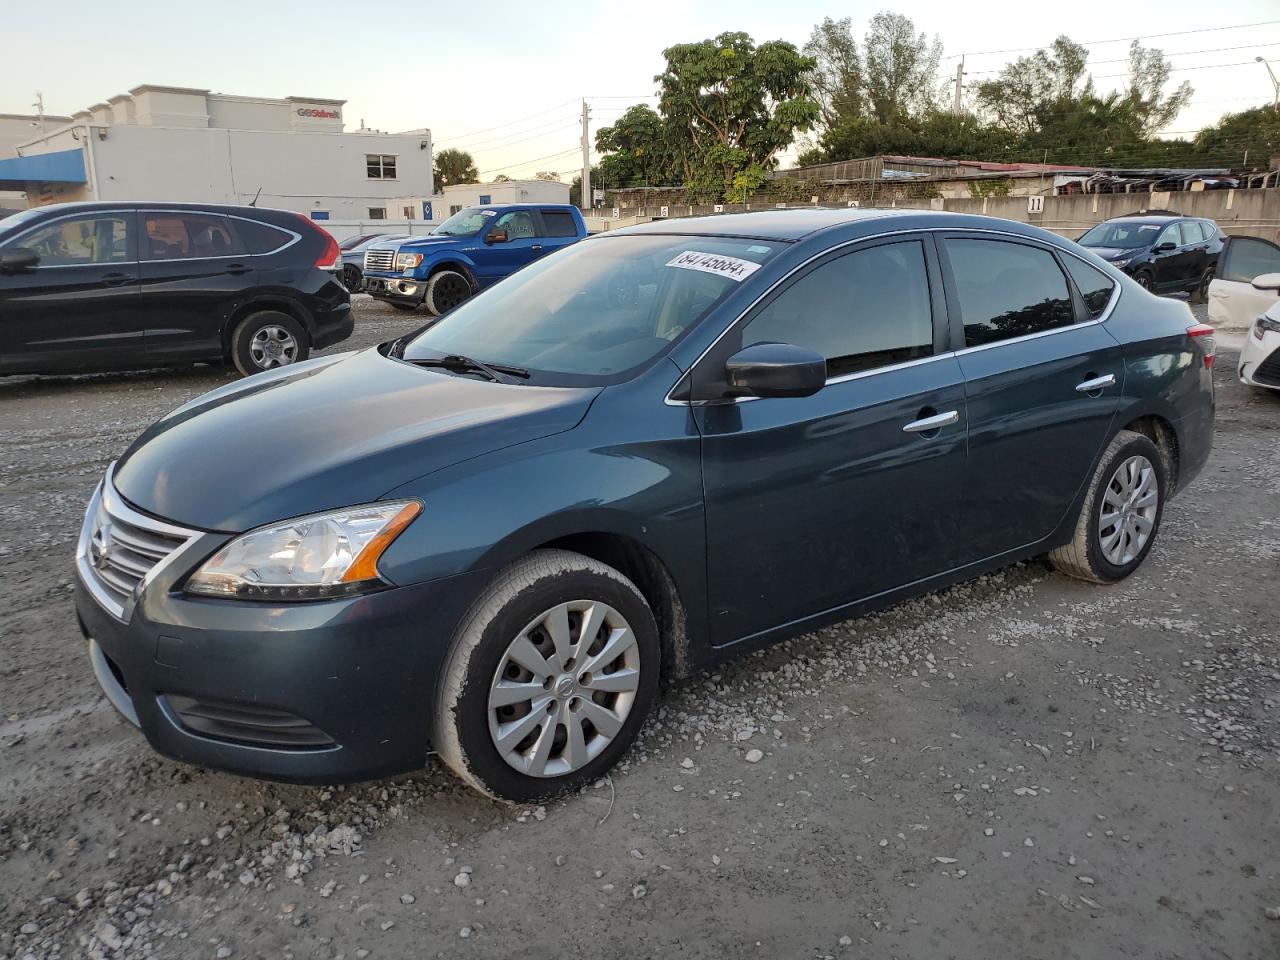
[1097, 384]
[115, 279]
[237, 268]
[935, 422]
[536, 248]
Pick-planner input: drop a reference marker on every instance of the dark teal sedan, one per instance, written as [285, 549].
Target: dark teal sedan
[496, 536]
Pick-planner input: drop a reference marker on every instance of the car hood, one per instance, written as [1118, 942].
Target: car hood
[432, 241]
[326, 434]
[1114, 253]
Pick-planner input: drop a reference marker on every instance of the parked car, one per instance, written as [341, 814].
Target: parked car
[662, 447]
[472, 249]
[353, 258]
[101, 286]
[1244, 297]
[356, 241]
[1164, 253]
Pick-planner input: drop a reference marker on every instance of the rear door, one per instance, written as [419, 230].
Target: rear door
[1173, 265]
[194, 271]
[498, 259]
[559, 230]
[1234, 302]
[77, 309]
[1043, 378]
[816, 502]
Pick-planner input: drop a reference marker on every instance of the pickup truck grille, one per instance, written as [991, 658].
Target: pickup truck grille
[379, 260]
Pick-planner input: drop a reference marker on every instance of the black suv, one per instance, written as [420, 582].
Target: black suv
[1166, 253]
[100, 286]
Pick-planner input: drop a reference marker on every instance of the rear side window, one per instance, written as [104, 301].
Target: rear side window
[187, 236]
[1095, 286]
[1191, 232]
[1210, 229]
[1007, 290]
[259, 237]
[1248, 257]
[866, 309]
[557, 223]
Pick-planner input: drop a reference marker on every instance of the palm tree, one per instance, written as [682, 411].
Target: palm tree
[454, 167]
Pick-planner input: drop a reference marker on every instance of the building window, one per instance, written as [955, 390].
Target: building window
[408, 212]
[455, 208]
[319, 214]
[380, 166]
[377, 213]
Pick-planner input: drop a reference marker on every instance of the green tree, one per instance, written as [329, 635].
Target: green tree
[730, 105]
[1030, 88]
[1145, 97]
[636, 150]
[550, 175]
[837, 76]
[453, 167]
[1244, 140]
[901, 68]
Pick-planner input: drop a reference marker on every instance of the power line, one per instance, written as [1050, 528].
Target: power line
[550, 156]
[1112, 76]
[531, 133]
[1188, 53]
[1095, 43]
[509, 123]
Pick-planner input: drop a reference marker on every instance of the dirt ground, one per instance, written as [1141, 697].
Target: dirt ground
[1024, 766]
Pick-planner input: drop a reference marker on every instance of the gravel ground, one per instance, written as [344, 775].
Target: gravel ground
[1022, 766]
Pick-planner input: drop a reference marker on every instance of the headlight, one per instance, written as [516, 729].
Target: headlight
[310, 558]
[408, 260]
[1265, 325]
[1121, 263]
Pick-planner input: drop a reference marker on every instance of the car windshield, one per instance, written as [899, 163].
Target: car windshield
[466, 222]
[1126, 234]
[597, 311]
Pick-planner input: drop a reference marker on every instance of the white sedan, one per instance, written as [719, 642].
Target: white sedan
[1246, 296]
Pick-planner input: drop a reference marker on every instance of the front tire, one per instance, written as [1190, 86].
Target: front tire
[268, 339]
[549, 679]
[445, 290]
[1145, 280]
[1121, 515]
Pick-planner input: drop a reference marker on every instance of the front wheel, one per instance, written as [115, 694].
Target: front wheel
[1121, 514]
[266, 340]
[549, 679]
[1145, 280]
[445, 290]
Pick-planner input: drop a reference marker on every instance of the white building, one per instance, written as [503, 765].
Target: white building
[16, 128]
[454, 198]
[174, 143]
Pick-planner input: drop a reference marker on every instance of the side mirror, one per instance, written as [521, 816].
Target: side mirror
[496, 236]
[775, 370]
[1267, 281]
[1166, 246]
[18, 260]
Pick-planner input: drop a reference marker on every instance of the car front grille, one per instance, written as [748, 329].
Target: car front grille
[248, 724]
[380, 260]
[120, 549]
[1268, 372]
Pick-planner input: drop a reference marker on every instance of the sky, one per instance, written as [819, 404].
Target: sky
[505, 80]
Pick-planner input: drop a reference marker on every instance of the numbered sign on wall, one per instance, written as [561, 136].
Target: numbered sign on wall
[662, 211]
[1035, 204]
[718, 208]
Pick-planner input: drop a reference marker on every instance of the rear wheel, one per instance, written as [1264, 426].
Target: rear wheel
[445, 290]
[266, 340]
[1121, 514]
[550, 678]
[1145, 280]
[1201, 292]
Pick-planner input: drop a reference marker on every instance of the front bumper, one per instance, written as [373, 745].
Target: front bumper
[322, 692]
[397, 288]
[1260, 360]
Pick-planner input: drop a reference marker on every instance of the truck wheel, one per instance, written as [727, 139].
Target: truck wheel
[445, 290]
[266, 340]
[1121, 514]
[549, 679]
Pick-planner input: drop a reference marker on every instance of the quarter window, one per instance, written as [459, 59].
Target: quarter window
[380, 166]
[102, 239]
[1191, 232]
[862, 310]
[1007, 290]
[172, 236]
[1095, 286]
[260, 238]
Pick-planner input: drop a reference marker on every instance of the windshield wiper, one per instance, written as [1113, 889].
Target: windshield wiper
[456, 362]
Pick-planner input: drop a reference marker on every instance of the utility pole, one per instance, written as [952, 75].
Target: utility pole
[1274, 82]
[956, 106]
[39, 105]
[586, 156]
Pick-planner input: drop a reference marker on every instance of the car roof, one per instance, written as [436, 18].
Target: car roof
[1154, 218]
[91, 205]
[767, 224]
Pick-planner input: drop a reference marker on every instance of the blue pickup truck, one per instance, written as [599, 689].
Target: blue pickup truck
[475, 247]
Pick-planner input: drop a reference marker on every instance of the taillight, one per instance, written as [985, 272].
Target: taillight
[330, 257]
[1201, 335]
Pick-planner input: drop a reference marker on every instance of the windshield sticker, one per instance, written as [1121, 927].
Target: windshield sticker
[722, 266]
[756, 248]
[488, 213]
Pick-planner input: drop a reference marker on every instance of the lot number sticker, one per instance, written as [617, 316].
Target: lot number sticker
[722, 266]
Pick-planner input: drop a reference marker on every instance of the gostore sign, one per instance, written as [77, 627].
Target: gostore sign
[319, 113]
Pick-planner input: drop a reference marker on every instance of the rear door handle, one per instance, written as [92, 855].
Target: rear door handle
[935, 422]
[115, 279]
[1097, 384]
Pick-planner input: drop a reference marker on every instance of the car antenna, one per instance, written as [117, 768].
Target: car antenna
[254, 201]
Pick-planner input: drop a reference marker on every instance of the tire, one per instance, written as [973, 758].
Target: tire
[352, 278]
[1108, 552]
[1145, 280]
[1200, 293]
[511, 615]
[445, 290]
[266, 340]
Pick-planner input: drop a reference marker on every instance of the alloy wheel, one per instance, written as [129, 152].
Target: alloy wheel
[273, 346]
[449, 292]
[1128, 513]
[564, 688]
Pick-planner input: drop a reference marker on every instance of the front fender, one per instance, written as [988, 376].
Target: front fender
[453, 259]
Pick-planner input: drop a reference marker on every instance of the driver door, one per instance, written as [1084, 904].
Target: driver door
[501, 258]
[813, 503]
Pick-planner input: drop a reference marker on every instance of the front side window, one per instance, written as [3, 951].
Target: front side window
[596, 311]
[82, 240]
[1095, 286]
[518, 224]
[380, 166]
[862, 310]
[466, 222]
[181, 236]
[1006, 290]
[1249, 257]
[1170, 234]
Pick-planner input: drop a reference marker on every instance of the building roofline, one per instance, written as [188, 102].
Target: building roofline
[161, 88]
